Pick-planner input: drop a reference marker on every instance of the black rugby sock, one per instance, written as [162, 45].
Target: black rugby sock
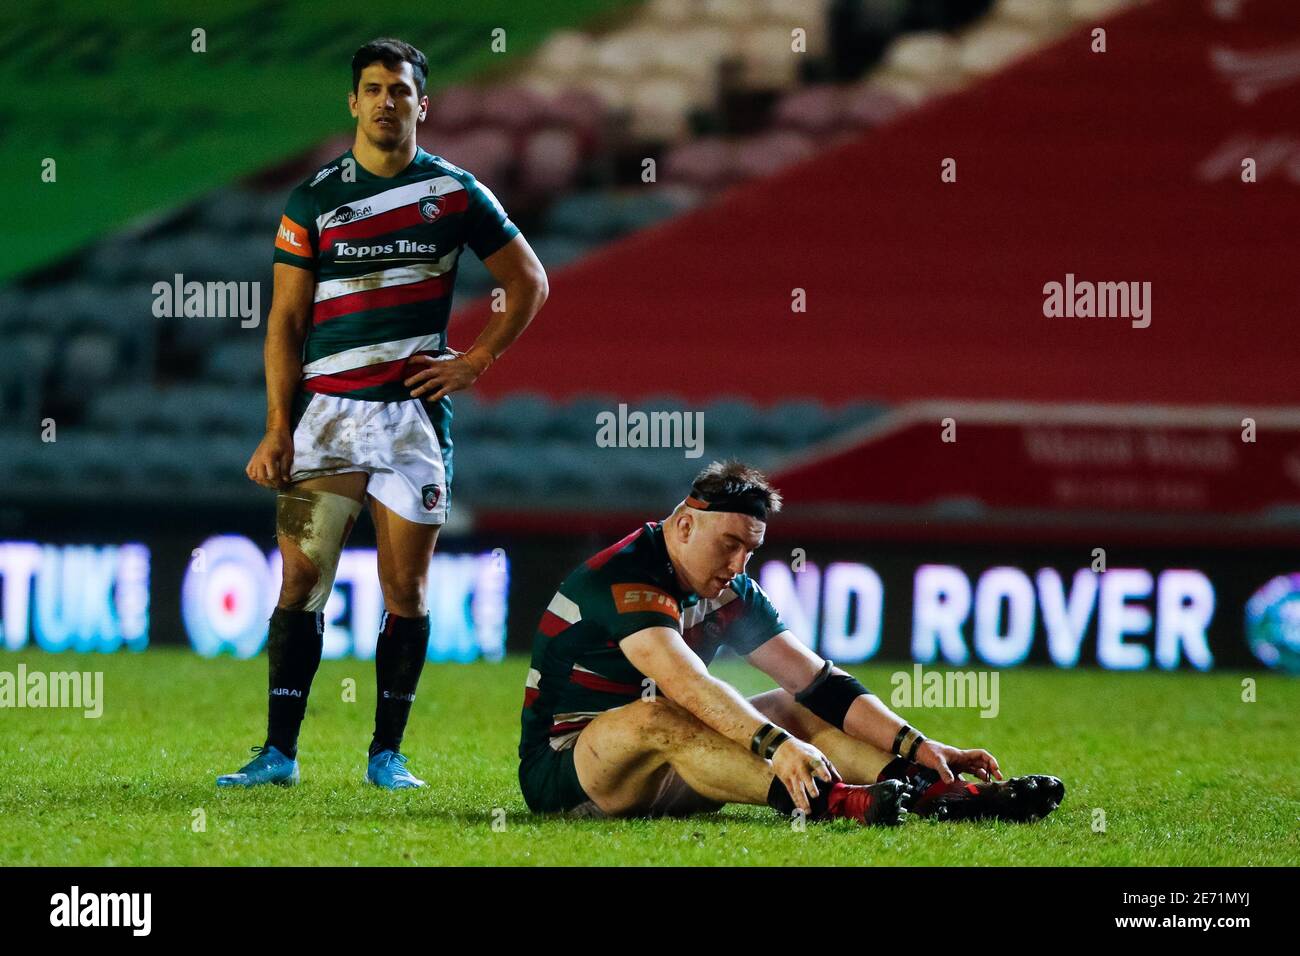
[779, 799]
[399, 659]
[912, 774]
[293, 649]
[921, 781]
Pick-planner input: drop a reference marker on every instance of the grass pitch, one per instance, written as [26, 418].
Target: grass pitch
[1177, 768]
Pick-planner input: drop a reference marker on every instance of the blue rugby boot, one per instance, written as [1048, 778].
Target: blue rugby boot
[269, 766]
[387, 769]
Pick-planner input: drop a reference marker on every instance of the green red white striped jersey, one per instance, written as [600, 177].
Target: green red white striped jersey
[384, 251]
[578, 670]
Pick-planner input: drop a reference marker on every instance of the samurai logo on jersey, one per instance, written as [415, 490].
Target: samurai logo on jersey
[347, 214]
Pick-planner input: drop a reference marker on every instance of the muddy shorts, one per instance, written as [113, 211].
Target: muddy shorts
[404, 446]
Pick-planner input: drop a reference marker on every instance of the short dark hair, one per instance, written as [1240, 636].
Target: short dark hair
[734, 477]
[391, 53]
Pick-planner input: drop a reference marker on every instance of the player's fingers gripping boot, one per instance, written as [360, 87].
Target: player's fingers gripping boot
[387, 769]
[1017, 800]
[269, 766]
[875, 804]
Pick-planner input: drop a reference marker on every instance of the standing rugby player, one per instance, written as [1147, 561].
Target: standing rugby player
[622, 718]
[359, 375]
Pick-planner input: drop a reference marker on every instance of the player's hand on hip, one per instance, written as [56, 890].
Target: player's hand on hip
[803, 770]
[949, 761]
[439, 375]
[272, 462]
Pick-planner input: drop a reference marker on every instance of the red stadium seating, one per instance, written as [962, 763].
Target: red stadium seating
[1069, 162]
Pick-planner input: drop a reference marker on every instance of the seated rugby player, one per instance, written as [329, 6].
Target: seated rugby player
[622, 718]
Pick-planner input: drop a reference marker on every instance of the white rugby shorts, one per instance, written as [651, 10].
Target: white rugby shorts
[407, 456]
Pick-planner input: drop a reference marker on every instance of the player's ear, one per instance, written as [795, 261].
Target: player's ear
[352, 103]
[424, 108]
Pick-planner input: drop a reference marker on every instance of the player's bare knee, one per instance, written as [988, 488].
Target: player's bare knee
[664, 725]
[404, 594]
[295, 591]
[780, 707]
[792, 716]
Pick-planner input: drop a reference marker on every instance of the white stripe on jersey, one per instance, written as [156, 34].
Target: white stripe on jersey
[565, 741]
[386, 278]
[391, 199]
[699, 611]
[534, 679]
[565, 609]
[372, 355]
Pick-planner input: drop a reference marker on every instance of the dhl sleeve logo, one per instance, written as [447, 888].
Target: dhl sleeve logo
[630, 598]
[292, 238]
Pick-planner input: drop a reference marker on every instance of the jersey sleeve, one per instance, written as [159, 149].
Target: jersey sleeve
[488, 226]
[636, 606]
[758, 623]
[296, 240]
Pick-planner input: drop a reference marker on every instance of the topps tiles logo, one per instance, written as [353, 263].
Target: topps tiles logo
[77, 909]
[346, 251]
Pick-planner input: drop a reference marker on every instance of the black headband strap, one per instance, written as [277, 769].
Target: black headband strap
[747, 501]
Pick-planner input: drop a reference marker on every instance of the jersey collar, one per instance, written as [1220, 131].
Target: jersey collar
[365, 174]
[655, 531]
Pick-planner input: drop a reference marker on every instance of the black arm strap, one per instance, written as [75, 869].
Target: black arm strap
[831, 694]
